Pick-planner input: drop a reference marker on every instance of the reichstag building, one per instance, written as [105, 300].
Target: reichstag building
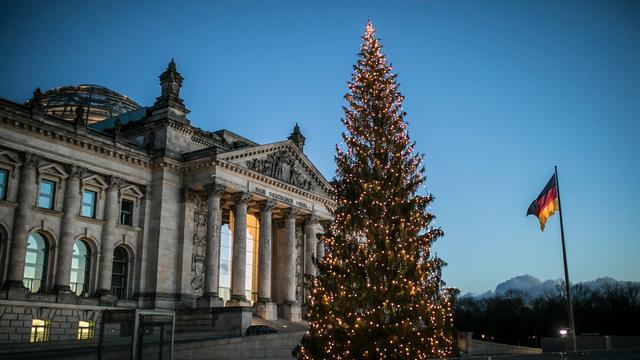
[106, 204]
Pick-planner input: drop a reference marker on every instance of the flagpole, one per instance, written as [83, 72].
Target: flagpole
[566, 271]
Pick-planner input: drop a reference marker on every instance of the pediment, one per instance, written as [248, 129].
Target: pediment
[9, 158]
[95, 180]
[133, 191]
[54, 170]
[282, 161]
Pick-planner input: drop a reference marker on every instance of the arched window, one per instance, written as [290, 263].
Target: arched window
[119, 272]
[80, 267]
[35, 263]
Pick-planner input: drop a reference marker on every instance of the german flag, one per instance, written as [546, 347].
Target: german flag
[546, 204]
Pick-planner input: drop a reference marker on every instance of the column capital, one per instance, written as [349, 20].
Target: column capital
[32, 160]
[291, 213]
[214, 188]
[326, 225]
[75, 171]
[146, 190]
[312, 219]
[268, 205]
[242, 197]
[115, 182]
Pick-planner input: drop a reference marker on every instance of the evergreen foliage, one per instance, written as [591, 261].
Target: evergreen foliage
[378, 293]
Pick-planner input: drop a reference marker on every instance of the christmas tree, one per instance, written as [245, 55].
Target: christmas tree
[378, 293]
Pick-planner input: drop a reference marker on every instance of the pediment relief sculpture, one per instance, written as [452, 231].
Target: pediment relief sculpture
[284, 166]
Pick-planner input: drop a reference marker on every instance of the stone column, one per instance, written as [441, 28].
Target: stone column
[265, 308]
[27, 192]
[310, 245]
[108, 239]
[212, 256]
[239, 261]
[67, 228]
[320, 250]
[291, 307]
[310, 248]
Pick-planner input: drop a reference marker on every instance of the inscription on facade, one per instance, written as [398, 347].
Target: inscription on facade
[282, 198]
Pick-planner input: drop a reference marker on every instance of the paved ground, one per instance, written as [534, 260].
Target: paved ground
[281, 325]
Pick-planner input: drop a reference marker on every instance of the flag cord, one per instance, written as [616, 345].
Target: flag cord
[566, 270]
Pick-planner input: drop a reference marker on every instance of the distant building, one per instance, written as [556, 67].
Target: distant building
[106, 204]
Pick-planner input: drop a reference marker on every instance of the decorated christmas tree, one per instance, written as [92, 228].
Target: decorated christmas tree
[378, 293]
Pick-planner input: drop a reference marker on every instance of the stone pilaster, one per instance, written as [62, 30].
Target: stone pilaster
[108, 239]
[265, 308]
[239, 261]
[27, 192]
[212, 255]
[292, 310]
[72, 198]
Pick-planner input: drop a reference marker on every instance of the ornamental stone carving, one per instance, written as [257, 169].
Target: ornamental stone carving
[75, 171]
[268, 205]
[115, 182]
[199, 207]
[291, 213]
[242, 197]
[299, 265]
[214, 188]
[32, 160]
[284, 166]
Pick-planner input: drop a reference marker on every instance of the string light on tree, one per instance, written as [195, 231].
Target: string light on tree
[378, 293]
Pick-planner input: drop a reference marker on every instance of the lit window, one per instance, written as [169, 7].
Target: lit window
[251, 270]
[126, 212]
[88, 203]
[79, 276]
[46, 193]
[224, 290]
[85, 330]
[226, 254]
[35, 263]
[4, 174]
[39, 330]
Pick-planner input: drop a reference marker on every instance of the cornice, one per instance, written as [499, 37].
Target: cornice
[165, 162]
[77, 140]
[273, 182]
[277, 146]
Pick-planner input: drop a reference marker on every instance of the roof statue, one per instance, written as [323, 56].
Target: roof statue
[36, 100]
[297, 138]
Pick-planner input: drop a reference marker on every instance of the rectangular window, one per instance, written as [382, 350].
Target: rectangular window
[85, 330]
[46, 194]
[39, 330]
[4, 175]
[88, 203]
[126, 212]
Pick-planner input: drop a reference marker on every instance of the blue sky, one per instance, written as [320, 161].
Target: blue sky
[497, 93]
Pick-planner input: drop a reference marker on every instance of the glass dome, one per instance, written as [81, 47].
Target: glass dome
[99, 102]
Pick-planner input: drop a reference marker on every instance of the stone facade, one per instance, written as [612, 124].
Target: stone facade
[157, 230]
